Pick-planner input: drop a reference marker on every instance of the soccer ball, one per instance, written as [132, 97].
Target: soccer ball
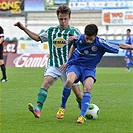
[92, 112]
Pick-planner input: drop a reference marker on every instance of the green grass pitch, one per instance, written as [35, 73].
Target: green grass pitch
[112, 93]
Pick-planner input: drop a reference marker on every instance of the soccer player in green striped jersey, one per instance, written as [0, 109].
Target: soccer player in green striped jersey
[59, 47]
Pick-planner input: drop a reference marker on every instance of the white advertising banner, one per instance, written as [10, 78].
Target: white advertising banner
[32, 47]
[117, 17]
[100, 4]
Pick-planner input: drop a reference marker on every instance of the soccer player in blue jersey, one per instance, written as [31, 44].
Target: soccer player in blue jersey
[128, 54]
[85, 53]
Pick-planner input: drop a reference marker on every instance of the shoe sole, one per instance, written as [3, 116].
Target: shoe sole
[4, 80]
[80, 122]
[59, 116]
[31, 108]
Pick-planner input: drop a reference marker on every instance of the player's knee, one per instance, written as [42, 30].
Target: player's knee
[1, 62]
[69, 82]
[46, 84]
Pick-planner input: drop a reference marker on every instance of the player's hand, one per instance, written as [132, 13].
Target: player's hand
[70, 39]
[63, 67]
[20, 25]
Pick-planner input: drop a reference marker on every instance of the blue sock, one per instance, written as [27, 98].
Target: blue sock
[128, 65]
[85, 102]
[131, 62]
[65, 94]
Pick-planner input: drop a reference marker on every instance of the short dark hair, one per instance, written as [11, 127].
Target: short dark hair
[63, 9]
[91, 30]
[129, 30]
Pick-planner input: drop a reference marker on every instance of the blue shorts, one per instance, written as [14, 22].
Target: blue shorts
[81, 72]
[128, 54]
[56, 73]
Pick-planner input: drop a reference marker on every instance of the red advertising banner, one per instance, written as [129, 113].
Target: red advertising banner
[10, 46]
[27, 60]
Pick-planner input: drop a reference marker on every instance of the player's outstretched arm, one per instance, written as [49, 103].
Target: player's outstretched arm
[31, 34]
[126, 46]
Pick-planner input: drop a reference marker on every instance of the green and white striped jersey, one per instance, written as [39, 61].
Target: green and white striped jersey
[58, 44]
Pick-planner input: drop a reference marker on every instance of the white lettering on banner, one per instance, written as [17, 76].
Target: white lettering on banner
[28, 60]
[10, 48]
[117, 21]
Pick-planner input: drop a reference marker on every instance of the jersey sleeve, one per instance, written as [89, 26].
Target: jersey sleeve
[110, 47]
[74, 31]
[76, 40]
[131, 40]
[44, 36]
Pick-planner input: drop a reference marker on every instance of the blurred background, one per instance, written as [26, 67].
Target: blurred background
[113, 18]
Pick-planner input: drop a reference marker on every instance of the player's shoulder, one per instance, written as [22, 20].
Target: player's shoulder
[78, 37]
[100, 40]
[53, 27]
[131, 36]
[74, 28]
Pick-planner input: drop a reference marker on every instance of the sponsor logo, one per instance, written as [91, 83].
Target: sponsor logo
[31, 60]
[10, 46]
[13, 6]
[59, 42]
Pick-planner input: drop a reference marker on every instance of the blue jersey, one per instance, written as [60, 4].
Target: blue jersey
[129, 40]
[90, 55]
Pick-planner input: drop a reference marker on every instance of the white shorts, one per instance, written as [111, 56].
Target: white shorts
[56, 73]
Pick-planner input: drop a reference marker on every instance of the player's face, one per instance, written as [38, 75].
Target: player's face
[89, 39]
[63, 20]
[128, 33]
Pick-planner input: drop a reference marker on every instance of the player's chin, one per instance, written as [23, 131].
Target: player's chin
[64, 26]
[89, 43]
